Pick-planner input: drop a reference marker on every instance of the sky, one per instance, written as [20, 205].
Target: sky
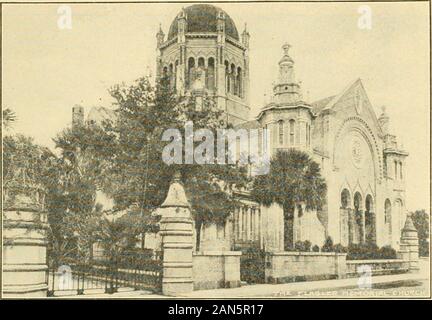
[47, 70]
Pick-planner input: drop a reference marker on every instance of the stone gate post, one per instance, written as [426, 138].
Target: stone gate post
[24, 249]
[409, 245]
[177, 241]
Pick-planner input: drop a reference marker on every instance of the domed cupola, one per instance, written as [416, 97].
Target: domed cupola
[203, 18]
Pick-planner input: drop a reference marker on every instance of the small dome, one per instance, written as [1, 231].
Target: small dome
[202, 18]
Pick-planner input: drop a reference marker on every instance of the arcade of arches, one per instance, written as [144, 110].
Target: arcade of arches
[201, 74]
[358, 221]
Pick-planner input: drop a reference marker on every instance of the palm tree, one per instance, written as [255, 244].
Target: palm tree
[8, 117]
[293, 178]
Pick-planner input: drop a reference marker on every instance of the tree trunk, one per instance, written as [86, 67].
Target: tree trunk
[288, 229]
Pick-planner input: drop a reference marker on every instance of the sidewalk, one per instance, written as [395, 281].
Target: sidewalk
[341, 288]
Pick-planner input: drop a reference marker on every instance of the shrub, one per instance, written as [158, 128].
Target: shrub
[387, 252]
[315, 248]
[369, 251]
[328, 245]
[423, 248]
[338, 248]
[303, 246]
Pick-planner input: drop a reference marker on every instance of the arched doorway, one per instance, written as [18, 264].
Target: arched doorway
[346, 228]
[370, 230]
[358, 234]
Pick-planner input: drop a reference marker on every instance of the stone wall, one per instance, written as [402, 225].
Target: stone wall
[216, 269]
[304, 266]
[378, 267]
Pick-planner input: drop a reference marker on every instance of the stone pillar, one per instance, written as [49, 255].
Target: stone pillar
[351, 226]
[363, 227]
[240, 224]
[248, 223]
[409, 245]
[341, 267]
[24, 249]
[177, 238]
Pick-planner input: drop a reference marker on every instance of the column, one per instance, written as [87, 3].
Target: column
[247, 224]
[240, 223]
[177, 241]
[363, 227]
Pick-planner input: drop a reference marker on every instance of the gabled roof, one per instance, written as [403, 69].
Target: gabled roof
[253, 124]
[329, 102]
[336, 98]
[100, 114]
[319, 105]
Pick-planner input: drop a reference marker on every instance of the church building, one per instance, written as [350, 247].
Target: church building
[361, 161]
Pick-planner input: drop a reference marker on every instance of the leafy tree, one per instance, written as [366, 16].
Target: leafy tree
[79, 171]
[34, 172]
[124, 155]
[293, 178]
[421, 222]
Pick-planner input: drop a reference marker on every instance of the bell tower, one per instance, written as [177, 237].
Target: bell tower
[287, 90]
[204, 55]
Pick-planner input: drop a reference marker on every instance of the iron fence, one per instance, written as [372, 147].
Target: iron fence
[132, 270]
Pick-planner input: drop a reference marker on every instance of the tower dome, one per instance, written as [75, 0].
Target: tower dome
[202, 18]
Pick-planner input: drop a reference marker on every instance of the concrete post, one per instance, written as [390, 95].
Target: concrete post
[177, 241]
[409, 245]
[24, 249]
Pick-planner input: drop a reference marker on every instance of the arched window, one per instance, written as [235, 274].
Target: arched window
[175, 74]
[171, 75]
[281, 131]
[211, 74]
[227, 78]
[233, 79]
[358, 205]
[369, 222]
[395, 170]
[400, 170]
[345, 199]
[387, 211]
[292, 131]
[399, 213]
[239, 82]
[201, 62]
[297, 134]
[191, 67]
